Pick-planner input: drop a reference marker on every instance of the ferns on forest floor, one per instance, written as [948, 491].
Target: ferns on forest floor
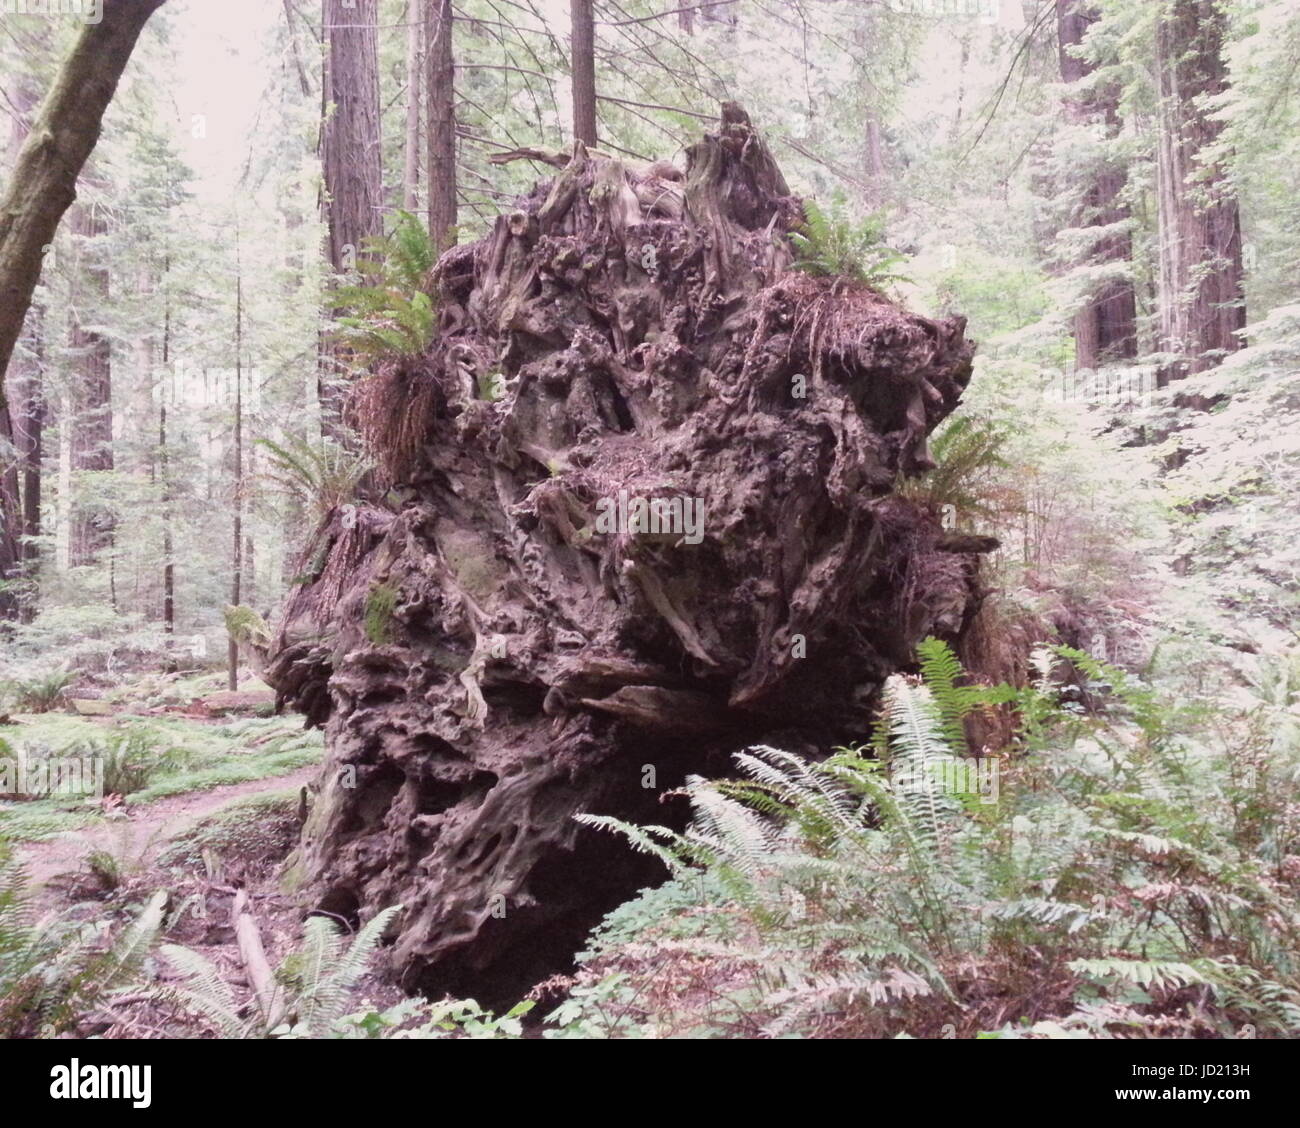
[313, 987]
[53, 971]
[40, 692]
[1112, 890]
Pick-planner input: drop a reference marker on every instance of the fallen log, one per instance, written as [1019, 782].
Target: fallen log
[253, 956]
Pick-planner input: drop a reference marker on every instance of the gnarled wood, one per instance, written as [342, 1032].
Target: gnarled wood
[597, 346]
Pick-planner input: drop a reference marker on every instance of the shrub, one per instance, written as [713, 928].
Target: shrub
[41, 692]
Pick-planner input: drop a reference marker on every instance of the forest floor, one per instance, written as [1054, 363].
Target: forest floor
[140, 833]
[216, 811]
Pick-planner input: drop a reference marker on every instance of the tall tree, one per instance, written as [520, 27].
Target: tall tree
[867, 36]
[43, 184]
[1105, 326]
[583, 47]
[237, 538]
[27, 413]
[164, 466]
[11, 521]
[1202, 302]
[352, 156]
[90, 421]
[22, 414]
[415, 17]
[440, 100]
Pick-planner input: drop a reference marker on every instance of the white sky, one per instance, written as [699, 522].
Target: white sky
[223, 67]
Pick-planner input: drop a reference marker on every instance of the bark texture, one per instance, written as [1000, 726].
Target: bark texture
[1202, 302]
[1105, 328]
[91, 396]
[441, 102]
[415, 18]
[488, 661]
[583, 49]
[351, 160]
[21, 421]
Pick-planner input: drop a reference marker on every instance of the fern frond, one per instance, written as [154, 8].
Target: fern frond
[205, 992]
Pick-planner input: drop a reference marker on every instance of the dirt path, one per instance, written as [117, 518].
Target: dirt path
[147, 829]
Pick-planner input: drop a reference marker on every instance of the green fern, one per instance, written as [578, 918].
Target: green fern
[321, 975]
[391, 314]
[205, 992]
[836, 247]
[315, 984]
[859, 889]
[52, 972]
[968, 454]
[324, 477]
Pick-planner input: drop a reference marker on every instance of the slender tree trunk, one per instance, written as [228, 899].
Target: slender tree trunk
[11, 557]
[415, 17]
[43, 183]
[248, 494]
[1105, 328]
[20, 425]
[237, 540]
[164, 474]
[91, 422]
[583, 48]
[28, 405]
[957, 121]
[440, 100]
[28, 414]
[873, 153]
[352, 159]
[1202, 302]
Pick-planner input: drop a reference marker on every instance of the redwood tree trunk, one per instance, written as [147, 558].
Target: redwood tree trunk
[21, 419]
[237, 494]
[1202, 302]
[415, 17]
[1105, 327]
[584, 71]
[11, 559]
[28, 414]
[164, 464]
[441, 109]
[352, 159]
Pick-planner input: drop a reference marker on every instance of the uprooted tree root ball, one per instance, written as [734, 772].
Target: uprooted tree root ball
[640, 516]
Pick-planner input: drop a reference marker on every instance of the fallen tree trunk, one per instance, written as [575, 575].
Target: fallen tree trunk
[642, 517]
